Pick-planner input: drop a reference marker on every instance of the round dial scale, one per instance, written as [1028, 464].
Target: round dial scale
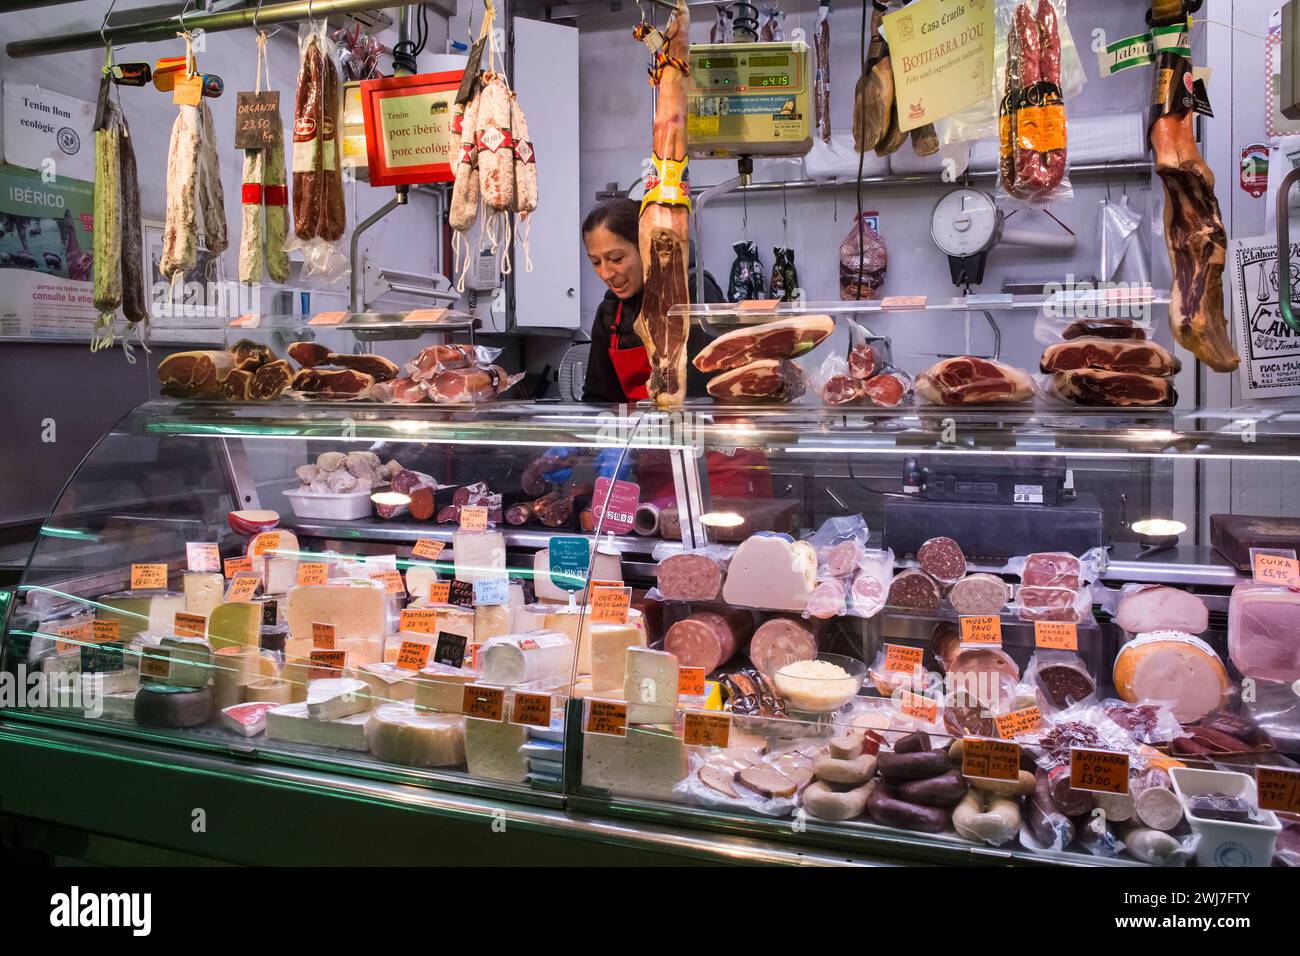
[965, 225]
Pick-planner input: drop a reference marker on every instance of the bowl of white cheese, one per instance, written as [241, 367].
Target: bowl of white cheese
[823, 684]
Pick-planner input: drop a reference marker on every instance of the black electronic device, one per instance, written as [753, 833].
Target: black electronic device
[993, 531]
[1043, 481]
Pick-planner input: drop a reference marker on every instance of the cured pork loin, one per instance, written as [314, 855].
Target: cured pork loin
[968, 380]
[767, 380]
[785, 338]
[1104, 328]
[1099, 387]
[665, 219]
[195, 374]
[1113, 355]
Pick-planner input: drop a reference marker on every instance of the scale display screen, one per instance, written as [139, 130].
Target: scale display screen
[772, 80]
[749, 99]
[717, 63]
[762, 62]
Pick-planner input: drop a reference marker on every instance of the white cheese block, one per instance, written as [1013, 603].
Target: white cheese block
[69, 662]
[402, 734]
[388, 683]
[492, 750]
[531, 617]
[566, 620]
[279, 574]
[333, 697]
[453, 619]
[249, 719]
[204, 590]
[441, 688]
[356, 610]
[106, 683]
[191, 662]
[418, 579]
[609, 645]
[238, 623]
[607, 567]
[360, 650]
[650, 686]
[137, 613]
[646, 763]
[524, 658]
[772, 572]
[479, 555]
[490, 620]
[292, 722]
[268, 689]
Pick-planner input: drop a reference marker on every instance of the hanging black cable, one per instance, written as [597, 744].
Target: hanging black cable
[406, 51]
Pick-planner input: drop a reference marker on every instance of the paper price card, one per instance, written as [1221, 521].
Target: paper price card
[607, 717]
[599, 583]
[533, 710]
[440, 592]
[106, 632]
[266, 543]
[188, 90]
[73, 636]
[485, 703]
[903, 302]
[1279, 789]
[190, 625]
[690, 682]
[234, 566]
[610, 605]
[327, 663]
[450, 649]
[428, 548]
[460, 593]
[706, 729]
[242, 587]
[922, 708]
[413, 655]
[425, 315]
[146, 577]
[1276, 567]
[313, 572]
[569, 557]
[904, 659]
[1101, 771]
[390, 579]
[202, 556]
[990, 759]
[421, 620]
[943, 58]
[981, 630]
[491, 591]
[156, 663]
[322, 635]
[623, 498]
[1024, 721]
[473, 518]
[1056, 635]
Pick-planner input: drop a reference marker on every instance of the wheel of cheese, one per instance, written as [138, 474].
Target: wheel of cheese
[1172, 666]
[401, 734]
[271, 690]
[162, 705]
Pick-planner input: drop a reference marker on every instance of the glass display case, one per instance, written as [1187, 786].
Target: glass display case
[919, 634]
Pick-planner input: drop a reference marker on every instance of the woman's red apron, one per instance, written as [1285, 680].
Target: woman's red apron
[632, 366]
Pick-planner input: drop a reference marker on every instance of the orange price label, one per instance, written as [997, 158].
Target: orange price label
[597, 583]
[903, 302]
[440, 592]
[690, 682]
[327, 318]
[188, 90]
[424, 315]
[485, 703]
[704, 729]
[981, 630]
[922, 708]
[146, 577]
[327, 663]
[266, 543]
[607, 717]
[66, 647]
[391, 579]
[610, 605]
[202, 556]
[533, 710]
[190, 625]
[421, 620]
[1023, 721]
[242, 587]
[1279, 789]
[234, 566]
[1056, 635]
[413, 655]
[249, 320]
[904, 659]
[757, 305]
[107, 631]
[313, 572]
[473, 518]
[322, 635]
[155, 663]
[428, 548]
[1101, 771]
[76, 634]
[990, 759]
[1277, 569]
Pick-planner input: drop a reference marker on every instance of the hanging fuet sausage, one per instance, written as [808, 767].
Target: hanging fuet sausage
[496, 162]
[665, 215]
[525, 174]
[265, 198]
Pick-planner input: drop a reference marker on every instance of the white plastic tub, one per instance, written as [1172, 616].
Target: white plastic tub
[1224, 843]
[335, 507]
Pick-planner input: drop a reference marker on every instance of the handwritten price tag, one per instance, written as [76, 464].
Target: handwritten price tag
[428, 548]
[606, 717]
[327, 318]
[391, 580]
[234, 566]
[1279, 789]
[990, 759]
[327, 663]
[257, 119]
[981, 630]
[1101, 771]
[148, 577]
[922, 708]
[419, 620]
[440, 592]
[266, 543]
[189, 625]
[1056, 635]
[202, 556]
[690, 682]
[705, 729]
[322, 635]
[904, 659]
[242, 587]
[473, 518]
[532, 710]
[1277, 569]
[485, 703]
[450, 649]
[413, 655]
[1024, 721]
[106, 632]
[188, 90]
[610, 605]
[156, 663]
[313, 572]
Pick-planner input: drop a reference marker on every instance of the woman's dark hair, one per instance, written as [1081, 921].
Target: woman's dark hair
[620, 216]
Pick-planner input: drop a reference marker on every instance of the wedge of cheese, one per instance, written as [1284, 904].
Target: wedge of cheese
[650, 686]
[772, 572]
[232, 668]
[566, 620]
[333, 697]
[418, 580]
[646, 763]
[204, 590]
[235, 624]
[279, 574]
[190, 662]
[609, 649]
[478, 555]
[356, 610]
[293, 723]
[442, 689]
[387, 683]
[136, 613]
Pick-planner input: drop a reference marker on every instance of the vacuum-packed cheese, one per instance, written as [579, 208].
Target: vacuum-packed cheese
[524, 658]
[402, 734]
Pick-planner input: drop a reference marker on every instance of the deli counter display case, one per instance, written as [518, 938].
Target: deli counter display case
[950, 635]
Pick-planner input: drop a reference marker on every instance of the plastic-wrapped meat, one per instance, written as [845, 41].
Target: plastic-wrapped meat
[332, 383]
[841, 390]
[863, 261]
[469, 384]
[403, 391]
[432, 359]
[1114, 355]
[1065, 682]
[827, 599]
[1051, 604]
[863, 361]
[1113, 389]
[969, 380]
[1058, 741]
[767, 380]
[889, 389]
[1052, 569]
[782, 339]
[943, 560]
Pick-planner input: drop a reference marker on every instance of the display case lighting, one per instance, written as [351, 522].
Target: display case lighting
[721, 519]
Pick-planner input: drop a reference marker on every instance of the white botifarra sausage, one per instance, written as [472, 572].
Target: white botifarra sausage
[180, 235]
[465, 192]
[525, 161]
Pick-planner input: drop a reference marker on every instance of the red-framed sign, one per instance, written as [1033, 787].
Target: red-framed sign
[408, 128]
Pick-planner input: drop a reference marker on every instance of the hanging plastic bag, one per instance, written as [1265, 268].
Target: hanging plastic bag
[863, 261]
[785, 278]
[747, 279]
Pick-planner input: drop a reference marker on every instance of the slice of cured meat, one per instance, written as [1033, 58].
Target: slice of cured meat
[979, 594]
[376, 366]
[943, 560]
[863, 362]
[709, 639]
[915, 591]
[1064, 682]
[828, 599]
[332, 383]
[1160, 608]
[1105, 329]
[691, 577]
[778, 642]
[1114, 355]
[309, 354]
[841, 390]
[250, 355]
[236, 385]
[1095, 387]
[969, 380]
[270, 380]
[1055, 569]
[767, 380]
[783, 339]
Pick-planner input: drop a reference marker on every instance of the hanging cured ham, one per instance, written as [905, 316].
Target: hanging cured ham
[665, 216]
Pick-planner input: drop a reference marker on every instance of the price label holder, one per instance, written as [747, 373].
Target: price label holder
[569, 557]
[1056, 635]
[106, 632]
[703, 728]
[242, 587]
[903, 302]
[440, 592]
[690, 682]
[1100, 771]
[1276, 566]
[323, 635]
[391, 579]
[156, 663]
[327, 318]
[148, 577]
[922, 708]
[990, 759]
[903, 659]
[202, 556]
[428, 548]
[424, 315]
[234, 566]
[474, 518]
[1279, 789]
[619, 512]
[608, 717]
[327, 663]
[610, 605]
[531, 710]
[491, 591]
[1023, 721]
[450, 649]
[981, 630]
[413, 655]
[313, 572]
[485, 703]
[419, 620]
[190, 625]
